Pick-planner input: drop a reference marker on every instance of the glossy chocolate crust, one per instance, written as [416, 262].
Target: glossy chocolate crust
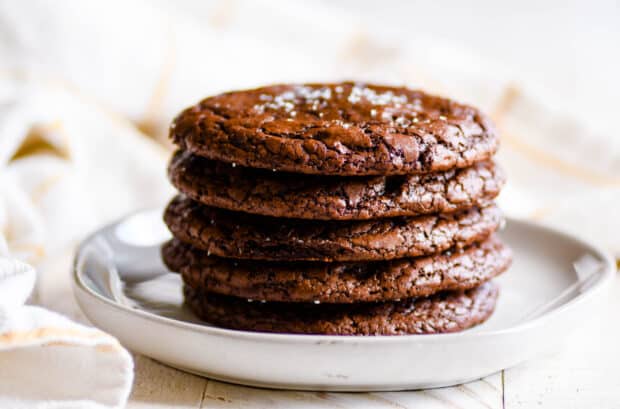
[336, 129]
[290, 195]
[240, 235]
[338, 282]
[441, 313]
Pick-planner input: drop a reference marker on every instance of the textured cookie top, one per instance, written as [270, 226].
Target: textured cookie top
[243, 236]
[282, 194]
[336, 129]
[346, 282]
[444, 312]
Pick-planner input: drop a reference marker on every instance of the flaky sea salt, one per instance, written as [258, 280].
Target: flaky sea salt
[313, 97]
[359, 93]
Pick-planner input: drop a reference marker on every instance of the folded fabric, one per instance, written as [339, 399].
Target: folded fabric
[49, 361]
[66, 167]
[563, 170]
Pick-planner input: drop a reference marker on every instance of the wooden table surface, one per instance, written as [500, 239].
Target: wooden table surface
[580, 373]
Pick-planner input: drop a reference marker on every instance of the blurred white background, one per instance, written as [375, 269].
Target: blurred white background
[570, 48]
[567, 50]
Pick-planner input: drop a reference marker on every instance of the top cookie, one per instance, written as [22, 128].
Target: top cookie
[336, 129]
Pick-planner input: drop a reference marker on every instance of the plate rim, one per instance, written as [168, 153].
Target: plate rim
[600, 285]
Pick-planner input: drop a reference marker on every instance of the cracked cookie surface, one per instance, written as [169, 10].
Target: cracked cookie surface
[230, 234]
[290, 195]
[441, 313]
[348, 282]
[336, 129]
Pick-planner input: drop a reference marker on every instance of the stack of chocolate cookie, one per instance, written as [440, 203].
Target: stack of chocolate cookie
[336, 209]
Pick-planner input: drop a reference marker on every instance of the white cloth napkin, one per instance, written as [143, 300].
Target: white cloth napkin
[66, 166]
[48, 361]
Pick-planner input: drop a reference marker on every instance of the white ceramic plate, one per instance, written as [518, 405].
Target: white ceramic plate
[122, 286]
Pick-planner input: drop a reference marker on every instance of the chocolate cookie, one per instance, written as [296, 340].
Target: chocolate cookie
[336, 129]
[280, 194]
[444, 312]
[338, 282]
[240, 235]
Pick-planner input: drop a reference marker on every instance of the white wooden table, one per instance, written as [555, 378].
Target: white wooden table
[581, 373]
